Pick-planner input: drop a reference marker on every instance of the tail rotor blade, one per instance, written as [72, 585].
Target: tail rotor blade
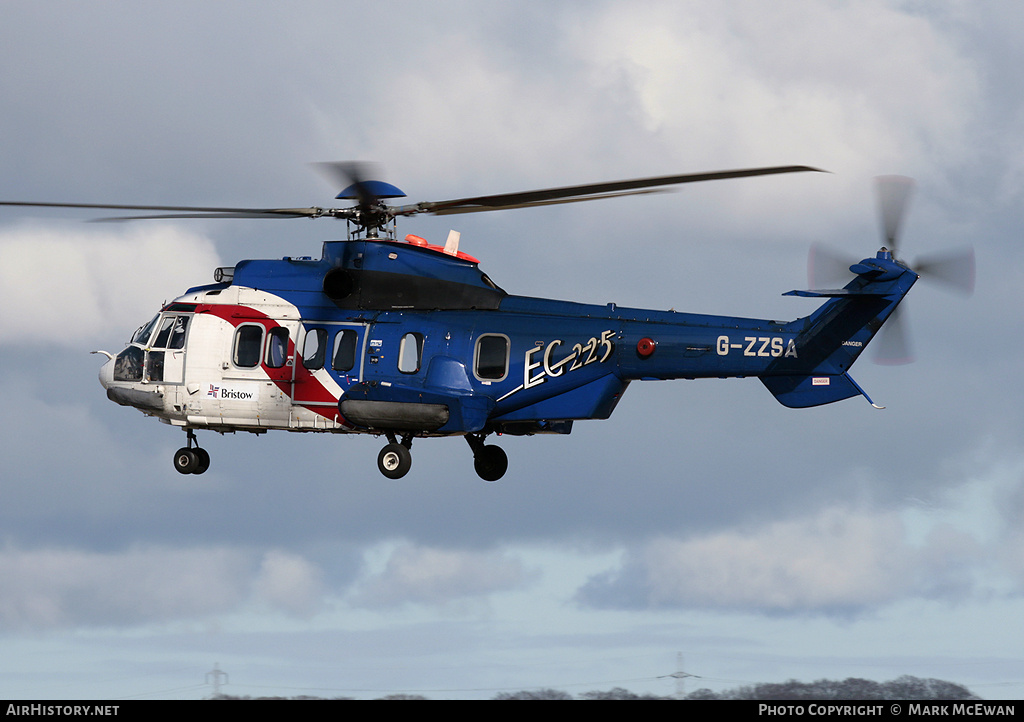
[828, 267]
[893, 196]
[894, 348]
[954, 269]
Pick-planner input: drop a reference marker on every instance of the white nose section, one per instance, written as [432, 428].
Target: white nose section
[106, 371]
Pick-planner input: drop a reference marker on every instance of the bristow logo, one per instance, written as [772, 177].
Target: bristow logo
[219, 392]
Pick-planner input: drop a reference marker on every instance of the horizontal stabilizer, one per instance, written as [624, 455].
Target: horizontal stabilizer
[800, 392]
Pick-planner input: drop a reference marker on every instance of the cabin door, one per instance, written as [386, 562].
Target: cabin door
[332, 355]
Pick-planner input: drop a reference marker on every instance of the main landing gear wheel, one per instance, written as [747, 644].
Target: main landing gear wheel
[490, 462]
[191, 460]
[394, 461]
[204, 460]
[186, 460]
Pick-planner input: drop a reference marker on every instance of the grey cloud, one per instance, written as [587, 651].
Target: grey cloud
[433, 576]
[59, 588]
[55, 588]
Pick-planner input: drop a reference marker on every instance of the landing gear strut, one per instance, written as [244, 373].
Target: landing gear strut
[191, 459]
[395, 459]
[490, 461]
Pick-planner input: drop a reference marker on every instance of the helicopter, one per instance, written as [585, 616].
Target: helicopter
[406, 339]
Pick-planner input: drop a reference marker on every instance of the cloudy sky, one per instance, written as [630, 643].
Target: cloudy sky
[702, 519]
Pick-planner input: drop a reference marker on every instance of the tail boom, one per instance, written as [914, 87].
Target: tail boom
[803, 363]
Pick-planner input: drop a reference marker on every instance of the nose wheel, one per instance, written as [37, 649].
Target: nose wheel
[191, 459]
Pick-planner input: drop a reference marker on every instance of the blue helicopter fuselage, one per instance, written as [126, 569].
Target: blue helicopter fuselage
[383, 337]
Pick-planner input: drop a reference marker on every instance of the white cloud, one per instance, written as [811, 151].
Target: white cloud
[839, 560]
[467, 113]
[436, 576]
[71, 286]
[622, 90]
[289, 583]
[849, 85]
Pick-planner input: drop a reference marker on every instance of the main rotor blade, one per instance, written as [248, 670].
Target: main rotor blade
[346, 172]
[538, 204]
[893, 196]
[283, 213]
[589, 191]
[184, 211]
[360, 177]
[369, 198]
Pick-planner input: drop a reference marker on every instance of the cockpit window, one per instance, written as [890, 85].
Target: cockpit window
[171, 333]
[178, 332]
[164, 333]
[128, 364]
[144, 332]
[155, 370]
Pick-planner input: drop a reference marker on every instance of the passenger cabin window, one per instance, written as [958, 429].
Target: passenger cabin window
[491, 357]
[248, 345]
[277, 348]
[410, 353]
[344, 358]
[314, 349]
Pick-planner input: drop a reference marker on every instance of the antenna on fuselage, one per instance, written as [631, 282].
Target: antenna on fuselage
[451, 246]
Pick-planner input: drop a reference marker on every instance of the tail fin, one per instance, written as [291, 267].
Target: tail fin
[831, 339]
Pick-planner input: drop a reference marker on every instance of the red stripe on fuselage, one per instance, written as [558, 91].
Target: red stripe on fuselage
[313, 390]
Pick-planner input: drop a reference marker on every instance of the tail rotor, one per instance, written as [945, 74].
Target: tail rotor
[954, 270]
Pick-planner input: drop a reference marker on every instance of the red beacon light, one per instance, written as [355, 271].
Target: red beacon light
[645, 347]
